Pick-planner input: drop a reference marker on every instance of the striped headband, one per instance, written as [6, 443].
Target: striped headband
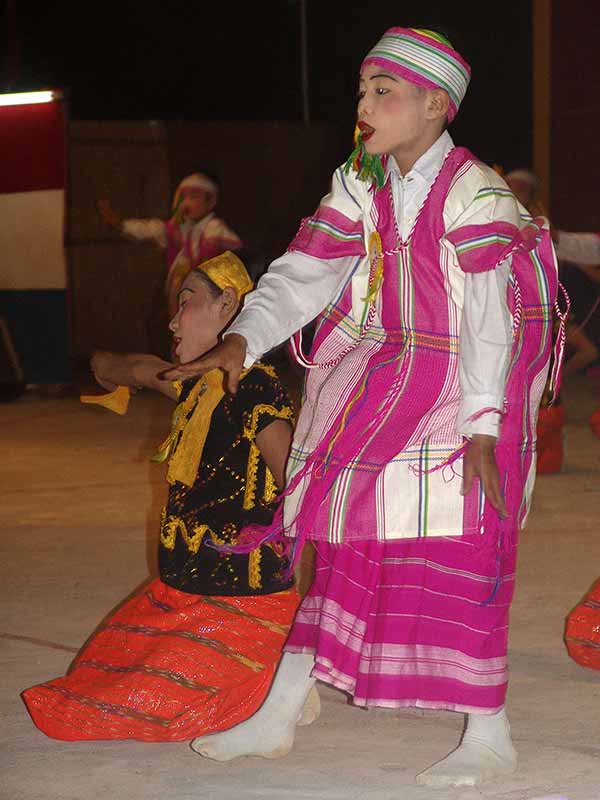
[194, 181]
[523, 175]
[198, 181]
[424, 58]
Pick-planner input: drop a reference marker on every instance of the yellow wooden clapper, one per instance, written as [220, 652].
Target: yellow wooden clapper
[117, 401]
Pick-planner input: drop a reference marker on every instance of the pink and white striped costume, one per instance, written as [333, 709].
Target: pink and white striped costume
[187, 242]
[196, 241]
[410, 602]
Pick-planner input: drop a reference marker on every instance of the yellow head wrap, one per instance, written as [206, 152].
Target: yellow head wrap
[227, 270]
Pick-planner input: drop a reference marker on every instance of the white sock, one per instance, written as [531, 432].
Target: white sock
[311, 711]
[485, 752]
[270, 732]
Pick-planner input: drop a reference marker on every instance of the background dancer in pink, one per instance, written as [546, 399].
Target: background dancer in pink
[435, 298]
[193, 234]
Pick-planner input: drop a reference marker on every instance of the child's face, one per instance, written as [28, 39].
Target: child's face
[200, 318]
[522, 190]
[392, 112]
[196, 203]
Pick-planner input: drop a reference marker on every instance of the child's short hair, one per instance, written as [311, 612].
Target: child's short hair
[212, 287]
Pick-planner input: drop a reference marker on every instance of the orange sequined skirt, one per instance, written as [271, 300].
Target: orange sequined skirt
[582, 634]
[168, 666]
[550, 451]
[595, 422]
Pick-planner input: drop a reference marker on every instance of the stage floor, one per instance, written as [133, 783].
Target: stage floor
[80, 513]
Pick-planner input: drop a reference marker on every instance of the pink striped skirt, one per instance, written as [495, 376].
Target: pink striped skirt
[411, 623]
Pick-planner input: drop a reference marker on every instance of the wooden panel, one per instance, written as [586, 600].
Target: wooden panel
[273, 173]
[118, 298]
[542, 82]
[116, 285]
[575, 145]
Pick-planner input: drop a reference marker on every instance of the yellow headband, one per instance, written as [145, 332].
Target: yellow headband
[227, 270]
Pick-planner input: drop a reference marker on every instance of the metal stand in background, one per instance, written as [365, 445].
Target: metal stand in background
[12, 380]
[304, 62]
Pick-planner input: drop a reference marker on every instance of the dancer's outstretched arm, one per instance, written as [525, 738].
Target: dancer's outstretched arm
[290, 295]
[135, 370]
[143, 230]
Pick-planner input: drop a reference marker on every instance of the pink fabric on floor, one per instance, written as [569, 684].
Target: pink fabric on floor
[415, 623]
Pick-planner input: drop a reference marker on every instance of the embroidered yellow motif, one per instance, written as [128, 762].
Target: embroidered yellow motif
[251, 477]
[266, 368]
[163, 517]
[254, 576]
[171, 527]
[216, 539]
[253, 458]
[254, 559]
[270, 492]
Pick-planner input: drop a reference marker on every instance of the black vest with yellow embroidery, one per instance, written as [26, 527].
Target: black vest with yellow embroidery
[219, 483]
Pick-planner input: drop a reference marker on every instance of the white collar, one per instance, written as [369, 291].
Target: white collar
[199, 224]
[427, 166]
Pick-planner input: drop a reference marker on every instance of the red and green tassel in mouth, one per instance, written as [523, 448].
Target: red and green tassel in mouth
[367, 167]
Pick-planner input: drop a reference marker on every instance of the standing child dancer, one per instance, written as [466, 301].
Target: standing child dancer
[193, 234]
[196, 649]
[436, 299]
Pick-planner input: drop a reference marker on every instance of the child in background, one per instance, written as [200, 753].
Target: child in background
[196, 649]
[193, 234]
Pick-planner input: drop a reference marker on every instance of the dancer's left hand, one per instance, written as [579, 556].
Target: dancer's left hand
[480, 462]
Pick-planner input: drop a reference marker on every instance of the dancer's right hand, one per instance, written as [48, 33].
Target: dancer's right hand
[110, 369]
[108, 214]
[229, 356]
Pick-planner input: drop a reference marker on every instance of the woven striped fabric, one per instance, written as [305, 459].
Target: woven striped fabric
[333, 232]
[329, 234]
[346, 467]
[475, 245]
[582, 633]
[168, 666]
[424, 58]
[421, 624]
[376, 452]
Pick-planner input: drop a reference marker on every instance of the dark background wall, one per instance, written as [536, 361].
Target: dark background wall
[575, 115]
[273, 173]
[156, 90]
[116, 286]
[233, 61]
[199, 70]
